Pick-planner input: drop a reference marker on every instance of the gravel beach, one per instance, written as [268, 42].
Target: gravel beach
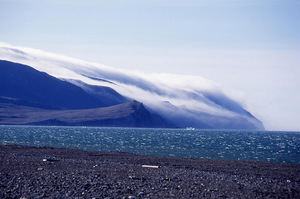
[38, 172]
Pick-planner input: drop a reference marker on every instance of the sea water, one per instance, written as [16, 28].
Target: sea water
[212, 144]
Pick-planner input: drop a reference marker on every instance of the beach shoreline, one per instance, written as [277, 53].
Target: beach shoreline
[33, 172]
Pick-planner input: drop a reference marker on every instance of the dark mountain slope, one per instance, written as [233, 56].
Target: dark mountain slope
[23, 85]
[130, 114]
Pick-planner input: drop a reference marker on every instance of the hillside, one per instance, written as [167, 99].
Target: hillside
[130, 114]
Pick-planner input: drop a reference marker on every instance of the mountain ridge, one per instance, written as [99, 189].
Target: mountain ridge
[192, 100]
[19, 81]
[21, 89]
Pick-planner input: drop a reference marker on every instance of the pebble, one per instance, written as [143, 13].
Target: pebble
[141, 194]
[121, 176]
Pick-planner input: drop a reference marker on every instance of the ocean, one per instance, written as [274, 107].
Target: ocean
[269, 146]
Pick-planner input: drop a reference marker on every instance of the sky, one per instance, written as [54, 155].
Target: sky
[248, 47]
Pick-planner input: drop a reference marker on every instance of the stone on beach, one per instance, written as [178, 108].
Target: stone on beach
[86, 174]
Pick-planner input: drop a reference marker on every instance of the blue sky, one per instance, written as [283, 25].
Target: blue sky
[249, 46]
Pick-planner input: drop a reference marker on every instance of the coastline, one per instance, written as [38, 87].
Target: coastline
[68, 173]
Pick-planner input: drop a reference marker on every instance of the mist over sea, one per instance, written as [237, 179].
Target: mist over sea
[212, 144]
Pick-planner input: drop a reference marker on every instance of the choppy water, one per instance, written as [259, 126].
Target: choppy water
[212, 144]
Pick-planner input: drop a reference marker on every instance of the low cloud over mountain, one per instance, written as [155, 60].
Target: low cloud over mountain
[179, 101]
